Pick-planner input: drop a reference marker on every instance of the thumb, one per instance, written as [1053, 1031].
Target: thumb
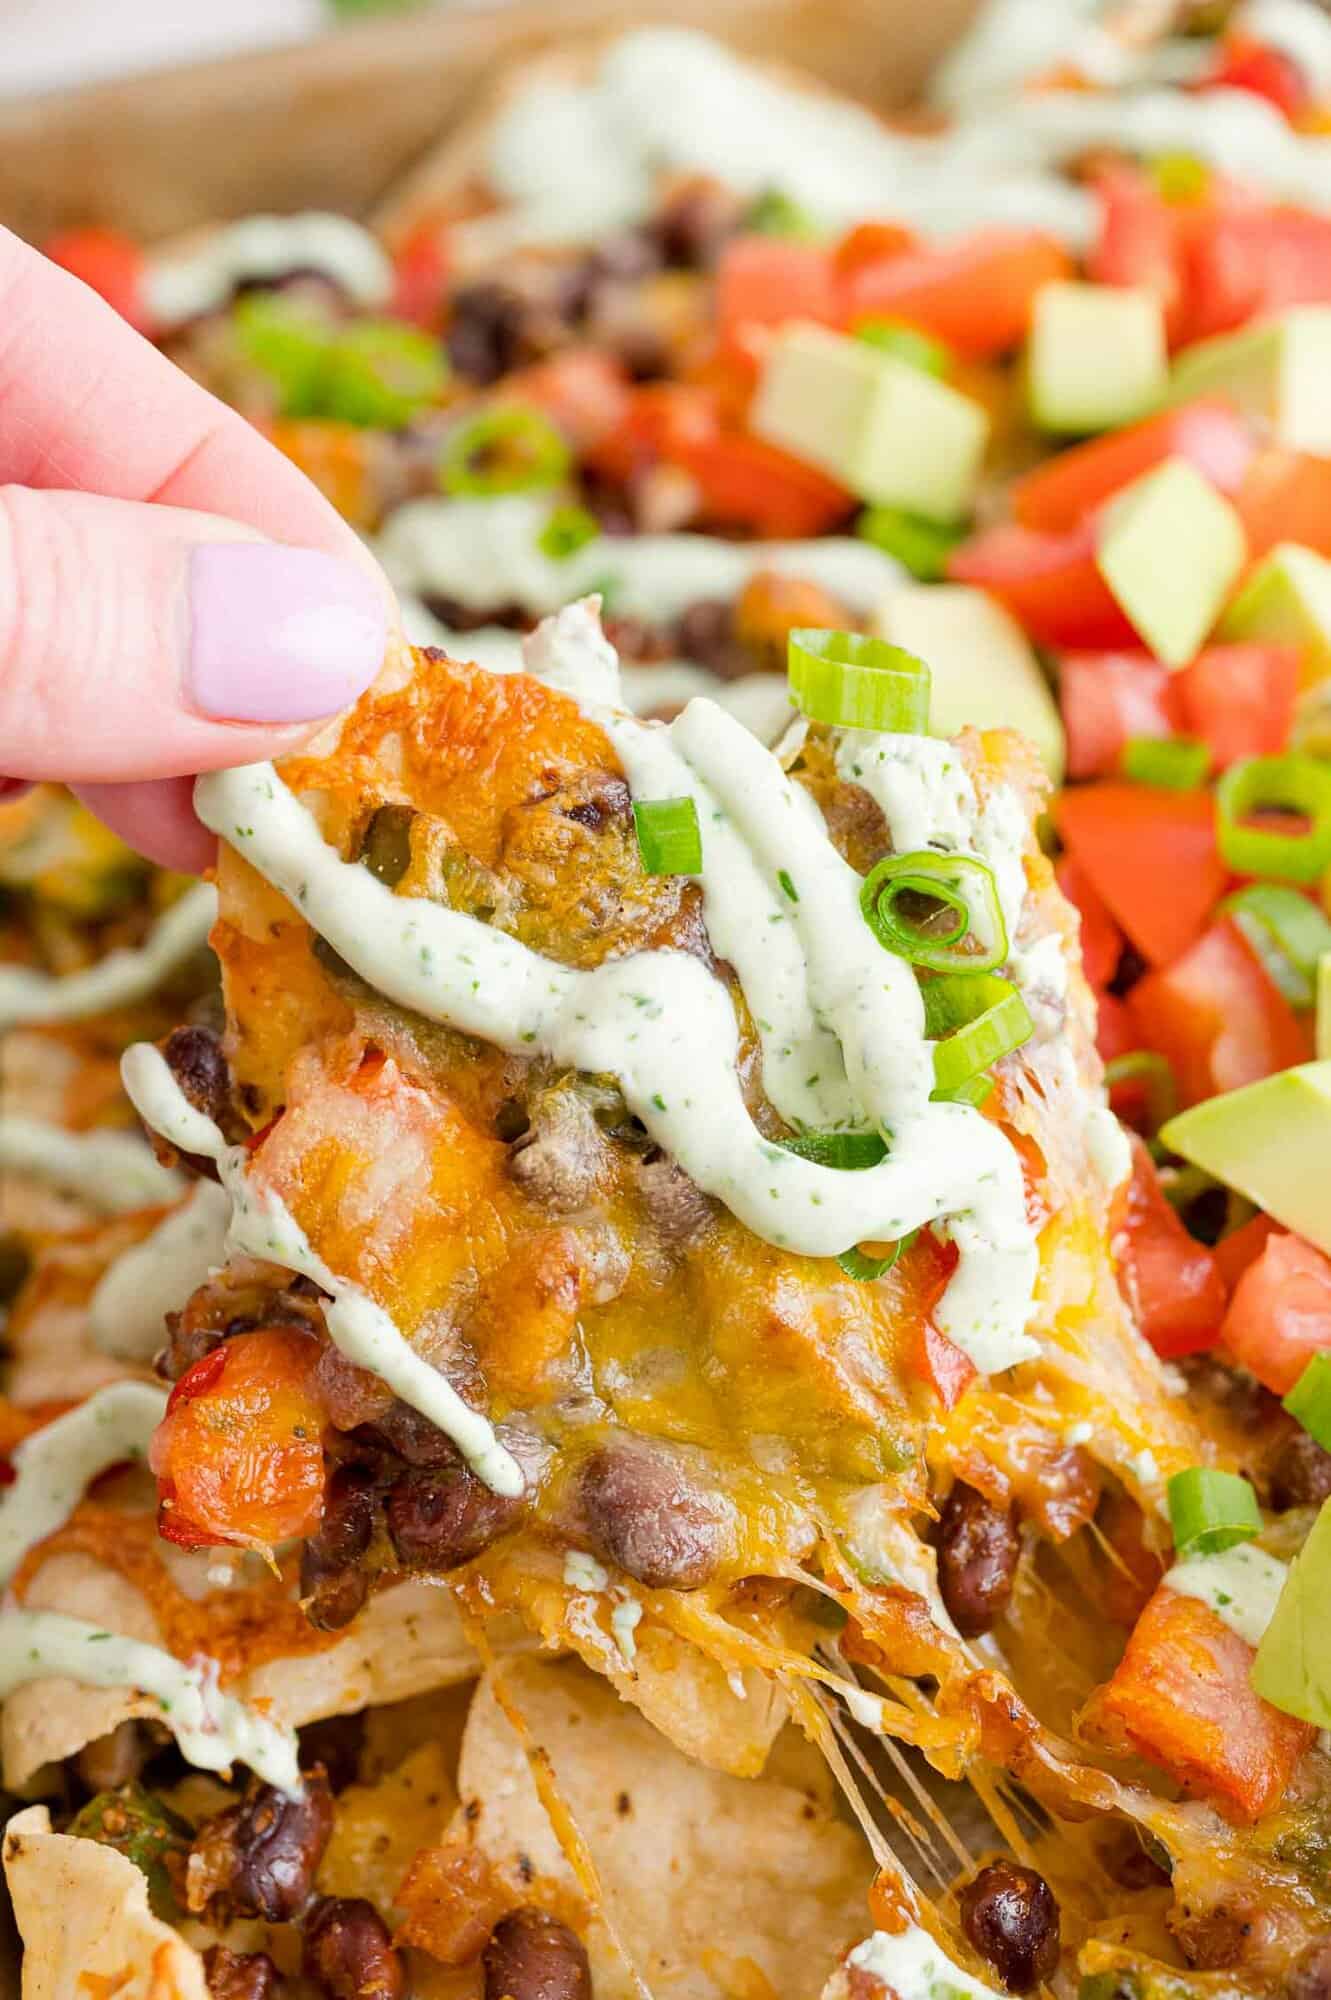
[141, 642]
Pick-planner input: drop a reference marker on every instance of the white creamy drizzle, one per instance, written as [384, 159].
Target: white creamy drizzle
[624, 1622]
[1241, 1585]
[152, 1278]
[666, 1028]
[487, 552]
[117, 980]
[263, 1226]
[54, 1466]
[213, 1729]
[575, 160]
[916, 1967]
[113, 1171]
[200, 275]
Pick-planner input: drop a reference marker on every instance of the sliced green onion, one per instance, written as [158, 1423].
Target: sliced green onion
[865, 1269]
[567, 530]
[1155, 1074]
[1170, 763]
[1210, 1511]
[907, 343]
[777, 214]
[668, 837]
[973, 1019]
[1309, 1401]
[850, 1152]
[380, 372]
[1292, 783]
[509, 448]
[857, 682]
[288, 344]
[1287, 933]
[923, 547]
[917, 905]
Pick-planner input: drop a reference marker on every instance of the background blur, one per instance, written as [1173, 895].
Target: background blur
[50, 43]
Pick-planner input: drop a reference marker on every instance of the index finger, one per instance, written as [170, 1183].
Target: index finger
[86, 402]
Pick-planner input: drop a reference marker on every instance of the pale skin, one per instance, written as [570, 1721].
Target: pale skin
[144, 606]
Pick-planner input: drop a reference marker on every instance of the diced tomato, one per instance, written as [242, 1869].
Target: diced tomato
[1240, 700]
[1151, 856]
[1058, 495]
[1101, 938]
[1049, 583]
[1116, 1031]
[658, 423]
[585, 393]
[1143, 241]
[871, 243]
[239, 1454]
[1244, 63]
[940, 1362]
[1167, 1277]
[1280, 1314]
[764, 281]
[746, 482]
[1252, 262]
[112, 264]
[1217, 1016]
[976, 294]
[1181, 1697]
[1286, 497]
[1242, 1247]
[421, 273]
[1109, 698]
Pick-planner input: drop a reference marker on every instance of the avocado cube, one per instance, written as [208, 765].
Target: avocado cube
[1272, 1141]
[984, 670]
[1096, 357]
[1279, 372]
[892, 434]
[1171, 549]
[1287, 602]
[1293, 1666]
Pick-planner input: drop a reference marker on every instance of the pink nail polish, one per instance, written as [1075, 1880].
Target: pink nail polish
[280, 634]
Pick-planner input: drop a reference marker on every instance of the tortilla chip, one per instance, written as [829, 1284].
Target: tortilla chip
[381, 1827]
[407, 1640]
[715, 1884]
[82, 1911]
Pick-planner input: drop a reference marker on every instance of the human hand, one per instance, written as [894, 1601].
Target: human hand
[174, 595]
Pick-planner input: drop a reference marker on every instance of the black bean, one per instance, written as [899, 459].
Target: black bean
[695, 221]
[557, 1160]
[1011, 1918]
[410, 1435]
[1310, 1975]
[239, 1975]
[348, 1951]
[334, 1742]
[634, 253]
[441, 1517]
[194, 1057]
[677, 1205]
[259, 1858]
[331, 1585]
[485, 339]
[977, 1559]
[1300, 1474]
[533, 1956]
[705, 633]
[645, 1514]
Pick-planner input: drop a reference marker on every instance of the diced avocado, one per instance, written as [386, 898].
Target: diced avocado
[984, 670]
[1293, 1665]
[139, 1826]
[1287, 602]
[1324, 1007]
[1272, 1141]
[1096, 357]
[1279, 372]
[891, 433]
[1171, 550]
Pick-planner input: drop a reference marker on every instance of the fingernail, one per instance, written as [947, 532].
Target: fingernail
[280, 634]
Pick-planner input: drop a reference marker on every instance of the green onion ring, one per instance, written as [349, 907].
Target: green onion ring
[1294, 782]
[856, 682]
[532, 454]
[973, 1020]
[1210, 1511]
[941, 879]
